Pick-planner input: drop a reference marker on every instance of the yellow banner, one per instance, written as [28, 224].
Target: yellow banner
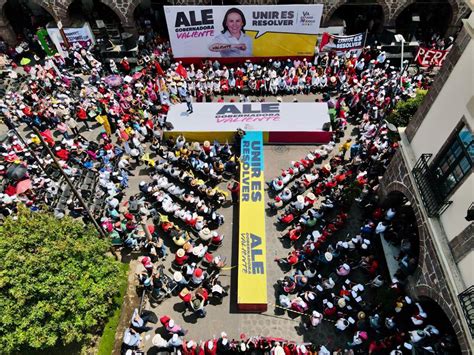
[275, 44]
[252, 276]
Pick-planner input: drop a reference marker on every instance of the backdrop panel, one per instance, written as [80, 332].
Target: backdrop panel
[301, 122]
[243, 31]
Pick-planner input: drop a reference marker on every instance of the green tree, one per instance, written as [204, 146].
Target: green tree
[57, 285]
[404, 110]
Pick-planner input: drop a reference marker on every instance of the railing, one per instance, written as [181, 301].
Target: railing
[429, 188]
[466, 299]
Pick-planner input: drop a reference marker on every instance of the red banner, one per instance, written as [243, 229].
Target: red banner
[426, 57]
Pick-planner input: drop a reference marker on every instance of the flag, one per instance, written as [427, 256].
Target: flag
[159, 69]
[181, 71]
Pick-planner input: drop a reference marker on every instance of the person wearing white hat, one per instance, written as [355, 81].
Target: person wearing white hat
[278, 349]
[159, 342]
[205, 234]
[323, 351]
[315, 318]
[138, 322]
[200, 250]
[175, 341]
[178, 277]
[131, 338]
[223, 344]
[326, 258]
[341, 302]
[343, 270]
[377, 281]
[342, 324]
[300, 203]
[172, 328]
[328, 283]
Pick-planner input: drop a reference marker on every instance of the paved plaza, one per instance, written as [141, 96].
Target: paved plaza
[275, 322]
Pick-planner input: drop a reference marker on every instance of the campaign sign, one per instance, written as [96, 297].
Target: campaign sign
[243, 31]
[252, 277]
[336, 43]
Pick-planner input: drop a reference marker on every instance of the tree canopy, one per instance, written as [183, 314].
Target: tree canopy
[57, 285]
[404, 110]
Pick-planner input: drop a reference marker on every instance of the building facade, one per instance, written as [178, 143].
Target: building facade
[433, 169]
[386, 12]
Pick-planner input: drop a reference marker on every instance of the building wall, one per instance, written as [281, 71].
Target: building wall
[440, 121]
[452, 219]
[466, 266]
[448, 109]
[125, 9]
[446, 257]
[432, 277]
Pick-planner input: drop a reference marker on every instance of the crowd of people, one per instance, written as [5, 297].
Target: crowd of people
[332, 274]
[60, 98]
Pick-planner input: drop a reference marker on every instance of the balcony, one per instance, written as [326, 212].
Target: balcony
[429, 187]
[466, 299]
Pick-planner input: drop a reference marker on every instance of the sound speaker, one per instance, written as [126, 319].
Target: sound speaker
[129, 41]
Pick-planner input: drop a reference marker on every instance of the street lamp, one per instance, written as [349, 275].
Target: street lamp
[400, 39]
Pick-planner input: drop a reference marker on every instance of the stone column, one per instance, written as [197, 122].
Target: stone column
[6, 31]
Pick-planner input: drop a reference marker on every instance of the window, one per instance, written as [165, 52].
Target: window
[456, 161]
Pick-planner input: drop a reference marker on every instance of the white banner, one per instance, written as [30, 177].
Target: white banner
[243, 31]
[255, 116]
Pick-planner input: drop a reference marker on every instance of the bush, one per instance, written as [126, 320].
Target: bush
[404, 110]
[107, 340]
[57, 286]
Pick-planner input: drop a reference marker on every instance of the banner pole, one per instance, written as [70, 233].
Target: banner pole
[365, 39]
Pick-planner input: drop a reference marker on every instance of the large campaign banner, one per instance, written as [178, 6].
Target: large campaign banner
[336, 43]
[252, 268]
[243, 31]
[426, 57]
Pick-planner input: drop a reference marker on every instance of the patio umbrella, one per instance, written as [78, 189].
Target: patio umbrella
[113, 80]
[25, 61]
[16, 172]
[23, 186]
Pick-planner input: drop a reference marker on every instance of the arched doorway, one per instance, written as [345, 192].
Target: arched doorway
[403, 235]
[358, 16]
[423, 18]
[93, 10]
[444, 343]
[25, 16]
[150, 17]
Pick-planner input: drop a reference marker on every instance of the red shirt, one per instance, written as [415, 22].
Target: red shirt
[81, 114]
[288, 218]
[180, 260]
[63, 154]
[373, 267]
[329, 311]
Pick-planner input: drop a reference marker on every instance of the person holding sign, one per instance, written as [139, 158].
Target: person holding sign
[232, 42]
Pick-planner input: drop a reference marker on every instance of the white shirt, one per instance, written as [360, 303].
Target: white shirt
[227, 38]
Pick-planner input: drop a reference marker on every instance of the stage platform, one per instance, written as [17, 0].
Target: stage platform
[281, 123]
